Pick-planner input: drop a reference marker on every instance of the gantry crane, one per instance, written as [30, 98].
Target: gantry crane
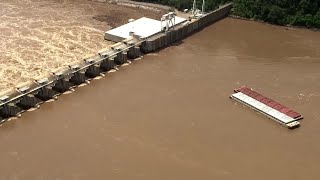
[194, 8]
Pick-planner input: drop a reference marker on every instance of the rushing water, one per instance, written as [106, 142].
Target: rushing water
[168, 116]
[38, 36]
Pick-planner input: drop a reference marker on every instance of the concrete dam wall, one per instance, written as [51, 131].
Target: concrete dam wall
[159, 41]
[31, 94]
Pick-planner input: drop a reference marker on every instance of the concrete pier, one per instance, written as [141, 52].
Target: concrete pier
[28, 101]
[62, 85]
[7, 108]
[10, 110]
[107, 64]
[122, 53]
[121, 58]
[27, 98]
[45, 91]
[134, 47]
[62, 80]
[134, 52]
[93, 69]
[108, 56]
[45, 88]
[79, 74]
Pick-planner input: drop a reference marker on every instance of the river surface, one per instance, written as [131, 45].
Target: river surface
[169, 116]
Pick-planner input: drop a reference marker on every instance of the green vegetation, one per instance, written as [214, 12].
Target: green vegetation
[282, 12]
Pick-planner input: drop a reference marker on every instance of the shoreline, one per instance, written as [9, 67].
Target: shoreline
[145, 5]
[267, 23]
[135, 4]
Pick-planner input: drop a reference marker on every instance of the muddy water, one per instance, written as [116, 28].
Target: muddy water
[39, 36]
[168, 116]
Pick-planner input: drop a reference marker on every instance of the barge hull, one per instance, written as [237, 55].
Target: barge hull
[262, 108]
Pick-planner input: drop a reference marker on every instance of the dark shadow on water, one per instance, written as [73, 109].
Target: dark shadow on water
[181, 41]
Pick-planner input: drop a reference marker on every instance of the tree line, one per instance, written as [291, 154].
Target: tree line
[281, 12]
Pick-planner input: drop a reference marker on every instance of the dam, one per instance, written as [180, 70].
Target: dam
[31, 94]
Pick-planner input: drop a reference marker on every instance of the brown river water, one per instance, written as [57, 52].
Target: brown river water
[168, 115]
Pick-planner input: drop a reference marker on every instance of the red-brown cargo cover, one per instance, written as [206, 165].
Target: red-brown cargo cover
[269, 102]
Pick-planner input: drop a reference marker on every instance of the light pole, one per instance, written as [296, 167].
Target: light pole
[194, 8]
[203, 6]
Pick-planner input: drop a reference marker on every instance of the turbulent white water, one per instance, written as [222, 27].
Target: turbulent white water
[38, 36]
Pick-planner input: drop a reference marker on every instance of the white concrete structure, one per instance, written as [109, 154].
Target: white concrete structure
[143, 27]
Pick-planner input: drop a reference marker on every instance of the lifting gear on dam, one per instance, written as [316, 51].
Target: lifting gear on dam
[167, 21]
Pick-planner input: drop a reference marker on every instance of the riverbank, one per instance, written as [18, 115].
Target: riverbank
[263, 22]
[142, 5]
[159, 8]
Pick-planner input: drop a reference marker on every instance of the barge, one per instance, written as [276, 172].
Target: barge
[268, 107]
